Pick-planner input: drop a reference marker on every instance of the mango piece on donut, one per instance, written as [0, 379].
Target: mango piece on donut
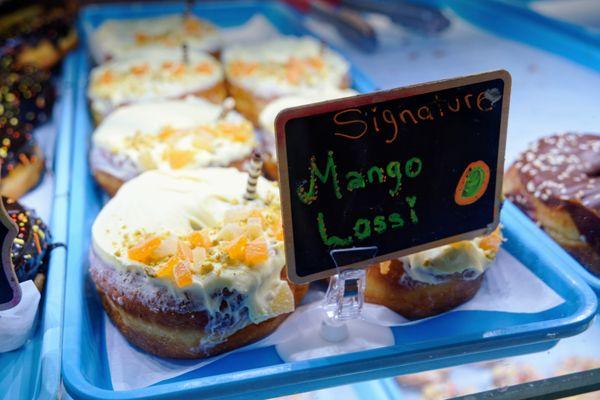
[256, 252]
[142, 252]
[200, 238]
[182, 275]
[236, 250]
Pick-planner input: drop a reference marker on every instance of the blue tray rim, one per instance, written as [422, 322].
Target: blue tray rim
[526, 26]
[76, 382]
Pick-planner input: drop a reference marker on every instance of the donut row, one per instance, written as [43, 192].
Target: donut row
[185, 265]
[35, 36]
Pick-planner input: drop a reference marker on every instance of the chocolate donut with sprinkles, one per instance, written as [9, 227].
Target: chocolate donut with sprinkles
[556, 182]
[37, 33]
[27, 93]
[26, 98]
[31, 245]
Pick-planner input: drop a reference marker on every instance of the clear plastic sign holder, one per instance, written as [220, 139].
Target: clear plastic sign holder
[345, 295]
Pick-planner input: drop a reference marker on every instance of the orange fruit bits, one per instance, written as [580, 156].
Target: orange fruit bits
[142, 252]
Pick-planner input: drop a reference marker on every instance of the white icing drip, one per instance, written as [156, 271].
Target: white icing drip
[277, 52]
[122, 38]
[112, 151]
[436, 265]
[159, 82]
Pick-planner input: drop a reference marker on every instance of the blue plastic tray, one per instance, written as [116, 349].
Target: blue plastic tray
[563, 38]
[33, 371]
[449, 339]
[521, 23]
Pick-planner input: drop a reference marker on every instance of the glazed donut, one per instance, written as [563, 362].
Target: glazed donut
[555, 182]
[21, 160]
[269, 113]
[37, 33]
[27, 94]
[257, 74]
[118, 38]
[154, 75]
[31, 245]
[186, 268]
[432, 281]
[171, 134]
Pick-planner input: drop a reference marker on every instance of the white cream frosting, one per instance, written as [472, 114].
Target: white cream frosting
[284, 66]
[174, 204]
[269, 113]
[132, 139]
[433, 266]
[153, 75]
[123, 38]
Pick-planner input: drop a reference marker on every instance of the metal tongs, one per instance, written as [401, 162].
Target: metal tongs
[345, 16]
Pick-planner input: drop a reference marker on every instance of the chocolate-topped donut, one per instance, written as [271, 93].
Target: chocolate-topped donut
[31, 244]
[38, 33]
[556, 182]
[25, 101]
[26, 94]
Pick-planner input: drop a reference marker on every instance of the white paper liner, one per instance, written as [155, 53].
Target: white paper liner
[508, 286]
[17, 323]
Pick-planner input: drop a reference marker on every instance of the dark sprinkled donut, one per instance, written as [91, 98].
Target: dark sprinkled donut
[556, 182]
[26, 98]
[26, 23]
[26, 94]
[32, 242]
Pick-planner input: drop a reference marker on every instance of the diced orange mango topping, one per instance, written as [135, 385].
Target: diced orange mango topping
[142, 252]
[106, 77]
[491, 242]
[182, 275]
[200, 238]
[278, 232]
[256, 252]
[166, 132]
[236, 248]
[203, 68]
[294, 70]
[315, 62]
[184, 251]
[141, 37]
[140, 69]
[238, 68]
[192, 25]
[178, 70]
[166, 270]
[179, 158]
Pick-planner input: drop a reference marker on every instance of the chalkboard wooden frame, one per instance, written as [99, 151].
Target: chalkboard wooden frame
[370, 99]
[8, 278]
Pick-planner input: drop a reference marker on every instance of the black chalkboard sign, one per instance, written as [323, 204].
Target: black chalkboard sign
[10, 291]
[391, 173]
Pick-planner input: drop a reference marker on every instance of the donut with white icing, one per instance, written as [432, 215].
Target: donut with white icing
[190, 133]
[259, 73]
[267, 117]
[432, 281]
[186, 268]
[154, 75]
[122, 38]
